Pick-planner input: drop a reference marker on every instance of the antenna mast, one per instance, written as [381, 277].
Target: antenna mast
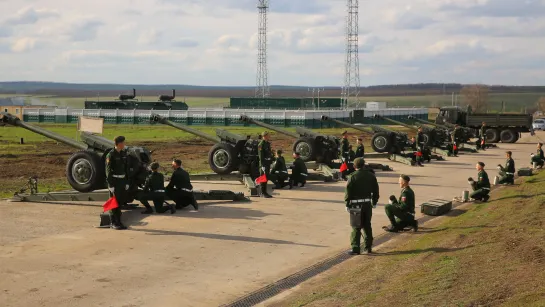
[262, 84]
[351, 86]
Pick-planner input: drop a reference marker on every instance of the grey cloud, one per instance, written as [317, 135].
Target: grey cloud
[500, 8]
[5, 30]
[410, 21]
[186, 43]
[30, 16]
[85, 31]
[275, 6]
[452, 57]
[132, 12]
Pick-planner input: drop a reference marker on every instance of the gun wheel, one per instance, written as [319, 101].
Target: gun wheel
[85, 171]
[222, 159]
[305, 147]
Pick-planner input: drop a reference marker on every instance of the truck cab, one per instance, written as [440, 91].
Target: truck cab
[452, 115]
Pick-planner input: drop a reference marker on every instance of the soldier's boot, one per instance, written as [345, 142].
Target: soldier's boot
[367, 250]
[486, 198]
[264, 193]
[351, 252]
[290, 184]
[148, 210]
[390, 228]
[415, 225]
[195, 204]
[115, 223]
[172, 208]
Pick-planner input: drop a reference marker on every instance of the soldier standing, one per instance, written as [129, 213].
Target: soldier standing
[455, 139]
[507, 172]
[402, 208]
[538, 156]
[299, 171]
[360, 150]
[154, 188]
[280, 171]
[180, 189]
[265, 161]
[345, 152]
[361, 196]
[116, 177]
[481, 187]
[419, 146]
[482, 136]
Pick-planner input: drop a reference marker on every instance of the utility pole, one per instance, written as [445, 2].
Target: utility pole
[319, 97]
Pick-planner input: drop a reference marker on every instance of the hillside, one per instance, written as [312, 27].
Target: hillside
[489, 254]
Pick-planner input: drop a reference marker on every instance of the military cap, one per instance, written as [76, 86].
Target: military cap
[120, 139]
[405, 178]
[359, 163]
[419, 127]
[154, 166]
[481, 164]
[344, 132]
[265, 133]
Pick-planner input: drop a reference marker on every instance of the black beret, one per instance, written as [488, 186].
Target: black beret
[405, 177]
[119, 139]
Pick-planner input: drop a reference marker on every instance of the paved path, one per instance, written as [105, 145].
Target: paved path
[50, 255]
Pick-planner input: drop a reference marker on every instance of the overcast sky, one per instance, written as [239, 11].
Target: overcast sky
[213, 42]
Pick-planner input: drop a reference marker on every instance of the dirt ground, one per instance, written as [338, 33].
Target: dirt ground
[48, 161]
[52, 256]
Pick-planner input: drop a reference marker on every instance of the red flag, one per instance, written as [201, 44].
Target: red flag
[482, 142]
[261, 179]
[343, 167]
[419, 154]
[455, 147]
[110, 204]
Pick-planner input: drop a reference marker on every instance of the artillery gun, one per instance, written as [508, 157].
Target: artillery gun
[231, 152]
[383, 140]
[467, 134]
[311, 145]
[124, 97]
[432, 137]
[85, 169]
[168, 98]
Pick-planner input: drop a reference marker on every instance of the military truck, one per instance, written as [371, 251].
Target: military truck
[506, 128]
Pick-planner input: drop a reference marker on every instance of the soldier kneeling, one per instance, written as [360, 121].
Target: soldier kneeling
[299, 171]
[481, 187]
[279, 171]
[538, 159]
[154, 189]
[401, 212]
[180, 189]
[507, 172]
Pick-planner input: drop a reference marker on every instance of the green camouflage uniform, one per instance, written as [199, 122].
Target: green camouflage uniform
[265, 161]
[180, 189]
[116, 177]
[360, 151]
[362, 191]
[538, 157]
[481, 187]
[482, 137]
[154, 188]
[280, 172]
[402, 209]
[299, 172]
[507, 172]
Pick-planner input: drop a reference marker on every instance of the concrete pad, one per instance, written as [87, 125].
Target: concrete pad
[50, 255]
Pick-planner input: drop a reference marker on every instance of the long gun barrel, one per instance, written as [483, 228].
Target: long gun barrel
[396, 122]
[367, 129]
[429, 123]
[249, 120]
[8, 119]
[159, 119]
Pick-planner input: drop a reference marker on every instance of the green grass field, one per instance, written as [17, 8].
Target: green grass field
[514, 102]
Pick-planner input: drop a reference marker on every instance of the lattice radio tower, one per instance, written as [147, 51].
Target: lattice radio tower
[262, 84]
[351, 86]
